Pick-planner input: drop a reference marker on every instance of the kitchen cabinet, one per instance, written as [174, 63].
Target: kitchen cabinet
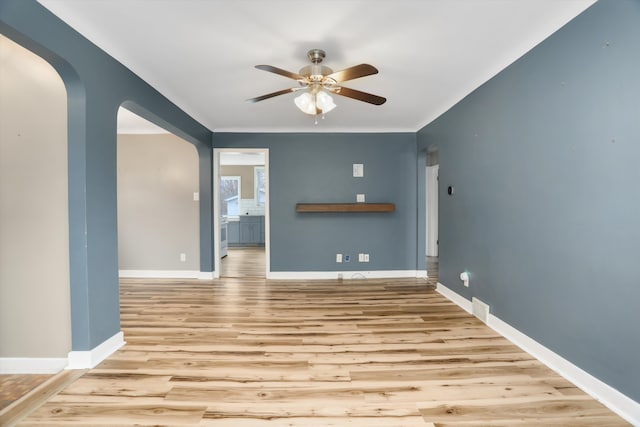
[247, 231]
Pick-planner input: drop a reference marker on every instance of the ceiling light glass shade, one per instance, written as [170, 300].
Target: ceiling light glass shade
[324, 101]
[306, 103]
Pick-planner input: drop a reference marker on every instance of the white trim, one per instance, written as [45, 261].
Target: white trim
[332, 275]
[431, 186]
[216, 205]
[32, 365]
[459, 300]
[422, 274]
[206, 275]
[91, 358]
[619, 403]
[163, 274]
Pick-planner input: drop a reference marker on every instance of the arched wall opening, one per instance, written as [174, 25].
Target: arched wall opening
[158, 201]
[35, 307]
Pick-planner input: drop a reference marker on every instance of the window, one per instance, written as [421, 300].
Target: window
[258, 179]
[229, 195]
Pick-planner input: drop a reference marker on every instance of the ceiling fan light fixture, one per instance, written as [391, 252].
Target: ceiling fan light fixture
[309, 104]
[317, 83]
[305, 103]
[324, 102]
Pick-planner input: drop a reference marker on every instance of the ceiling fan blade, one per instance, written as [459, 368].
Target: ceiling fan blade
[276, 70]
[360, 96]
[272, 94]
[354, 72]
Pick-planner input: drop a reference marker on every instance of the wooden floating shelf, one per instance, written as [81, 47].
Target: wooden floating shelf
[345, 207]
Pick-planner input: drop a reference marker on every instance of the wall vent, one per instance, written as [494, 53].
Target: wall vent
[479, 309]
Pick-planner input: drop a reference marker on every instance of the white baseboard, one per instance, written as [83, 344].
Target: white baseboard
[346, 275]
[162, 274]
[458, 299]
[619, 403]
[207, 275]
[91, 358]
[32, 365]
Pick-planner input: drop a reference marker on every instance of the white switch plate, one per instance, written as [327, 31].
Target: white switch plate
[338, 257]
[196, 196]
[358, 170]
[183, 257]
[366, 257]
[360, 257]
[360, 198]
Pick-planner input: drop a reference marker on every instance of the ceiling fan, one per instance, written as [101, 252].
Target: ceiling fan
[318, 81]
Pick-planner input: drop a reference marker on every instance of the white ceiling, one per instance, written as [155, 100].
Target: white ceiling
[201, 53]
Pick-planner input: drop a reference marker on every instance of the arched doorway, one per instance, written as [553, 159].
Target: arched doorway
[35, 308]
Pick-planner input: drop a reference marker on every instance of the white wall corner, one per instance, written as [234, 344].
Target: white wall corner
[91, 358]
[619, 403]
[32, 365]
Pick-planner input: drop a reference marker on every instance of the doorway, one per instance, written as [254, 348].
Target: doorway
[432, 238]
[241, 212]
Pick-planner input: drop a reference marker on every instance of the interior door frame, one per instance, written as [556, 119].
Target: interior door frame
[216, 206]
[432, 210]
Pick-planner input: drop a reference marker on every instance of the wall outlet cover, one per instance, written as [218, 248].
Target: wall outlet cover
[358, 170]
[360, 198]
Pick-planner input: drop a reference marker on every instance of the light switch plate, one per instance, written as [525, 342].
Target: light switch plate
[196, 196]
[358, 170]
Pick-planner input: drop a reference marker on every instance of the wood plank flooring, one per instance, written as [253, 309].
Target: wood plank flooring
[14, 386]
[250, 352]
[244, 262]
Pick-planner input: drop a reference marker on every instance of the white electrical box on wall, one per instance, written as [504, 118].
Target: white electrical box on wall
[358, 170]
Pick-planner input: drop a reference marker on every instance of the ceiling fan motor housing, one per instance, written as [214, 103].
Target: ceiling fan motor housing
[315, 72]
[316, 55]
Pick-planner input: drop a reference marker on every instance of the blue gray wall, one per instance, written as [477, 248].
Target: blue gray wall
[546, 210]
[317, 168]
[96, 87]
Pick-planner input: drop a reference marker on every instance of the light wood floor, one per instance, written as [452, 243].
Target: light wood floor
[244, 262]
[250, 352]
[13, 387]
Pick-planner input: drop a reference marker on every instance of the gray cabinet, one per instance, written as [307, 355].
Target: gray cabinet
[233, 233]
[248, 231]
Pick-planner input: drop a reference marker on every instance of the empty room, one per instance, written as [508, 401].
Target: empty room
[319, 213]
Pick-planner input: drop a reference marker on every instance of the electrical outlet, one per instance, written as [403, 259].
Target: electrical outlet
[196, 196]
[366, 257]
[359, 198]
[358, 170]
[360, 257]
[338, 257]
[347, 258]
[183, 257]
